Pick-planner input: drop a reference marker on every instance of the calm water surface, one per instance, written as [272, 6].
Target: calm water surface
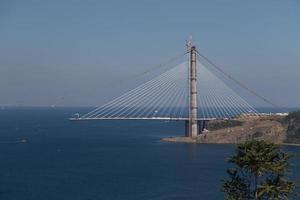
[115, 160]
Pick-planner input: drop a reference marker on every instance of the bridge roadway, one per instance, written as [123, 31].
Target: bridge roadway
[138, 118]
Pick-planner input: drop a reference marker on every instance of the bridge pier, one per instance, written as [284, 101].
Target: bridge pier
[202, 124]
[187, 128]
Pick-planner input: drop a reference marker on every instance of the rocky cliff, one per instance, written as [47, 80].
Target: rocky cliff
[277, 129]
[266, 128]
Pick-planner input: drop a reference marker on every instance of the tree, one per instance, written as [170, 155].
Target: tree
[260, 173]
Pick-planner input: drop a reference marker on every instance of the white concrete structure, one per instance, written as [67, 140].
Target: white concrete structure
[193, 124]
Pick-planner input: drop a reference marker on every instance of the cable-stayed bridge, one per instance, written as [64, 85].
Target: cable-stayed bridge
[189, 91]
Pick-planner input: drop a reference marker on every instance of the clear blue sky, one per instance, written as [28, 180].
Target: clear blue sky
[63, 52]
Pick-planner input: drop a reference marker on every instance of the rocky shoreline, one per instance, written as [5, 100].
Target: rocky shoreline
[183, 139]
[269, 128]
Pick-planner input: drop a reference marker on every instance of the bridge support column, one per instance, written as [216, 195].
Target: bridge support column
[193, 124]
[202, 125]
[187, 128]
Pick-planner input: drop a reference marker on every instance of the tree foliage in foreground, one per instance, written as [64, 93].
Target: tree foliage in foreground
[260, 172]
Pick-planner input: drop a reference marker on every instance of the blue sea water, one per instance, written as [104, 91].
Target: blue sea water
[109, 160]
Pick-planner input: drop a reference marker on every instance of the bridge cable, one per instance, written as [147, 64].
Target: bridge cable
[238, 82]
[151, 69]
[112, 84]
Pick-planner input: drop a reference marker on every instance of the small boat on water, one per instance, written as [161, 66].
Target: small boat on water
[23, 140]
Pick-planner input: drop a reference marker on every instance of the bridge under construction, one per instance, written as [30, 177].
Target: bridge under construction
[189, 92]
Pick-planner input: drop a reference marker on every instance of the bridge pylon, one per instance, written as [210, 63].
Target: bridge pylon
[192, 124]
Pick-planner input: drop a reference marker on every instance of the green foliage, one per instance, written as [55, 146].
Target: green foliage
[215, 125]
[260, 172]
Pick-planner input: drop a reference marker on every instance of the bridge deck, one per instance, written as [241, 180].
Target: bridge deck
[138, 118]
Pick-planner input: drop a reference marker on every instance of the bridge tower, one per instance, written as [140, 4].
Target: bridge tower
[192, 123]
